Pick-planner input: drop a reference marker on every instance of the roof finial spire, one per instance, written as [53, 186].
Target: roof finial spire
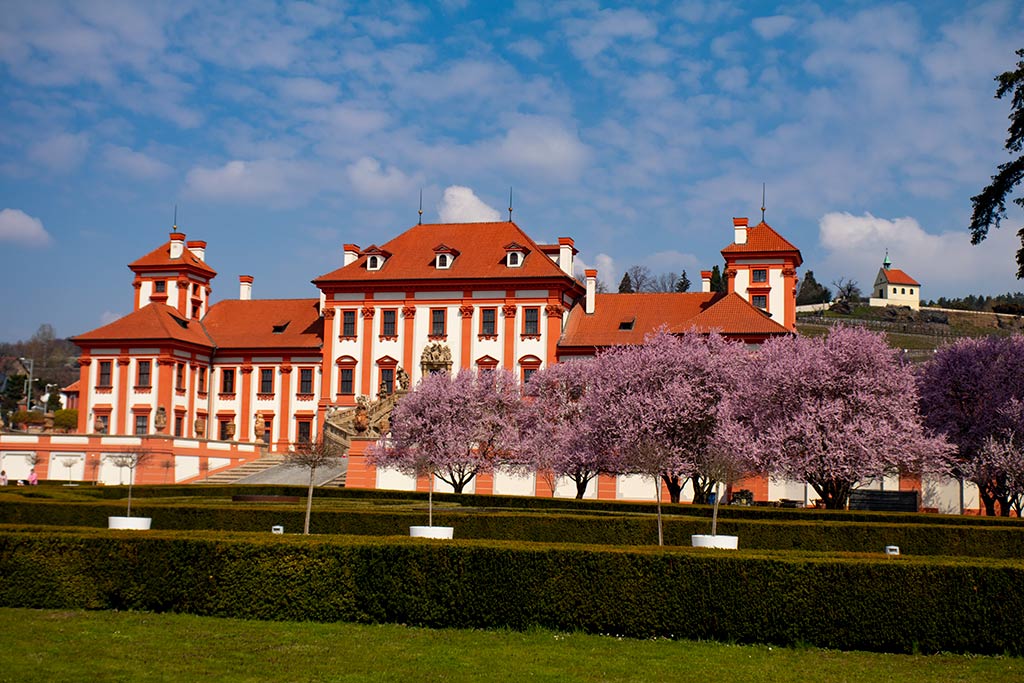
[886, 263]
[762, 202]
[421, 207]
[174, 227]
[509, 203]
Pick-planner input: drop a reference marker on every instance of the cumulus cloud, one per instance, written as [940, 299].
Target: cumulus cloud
[372, 179]
[460, 205]
[18, 227]
[945, 264]
[135, 164]
[527, 47]
[591, 36]
[607, 271]
[60, 153]
[770, 28]
[306, 89]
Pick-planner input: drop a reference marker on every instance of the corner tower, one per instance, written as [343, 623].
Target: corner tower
[760, 266]
[175, 274]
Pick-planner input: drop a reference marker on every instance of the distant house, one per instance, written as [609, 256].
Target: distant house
[893, 287]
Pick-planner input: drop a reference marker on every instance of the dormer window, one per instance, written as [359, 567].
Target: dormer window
[375, 257]
[444, 256]
[515, 254]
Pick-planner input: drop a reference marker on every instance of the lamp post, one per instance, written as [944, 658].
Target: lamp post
[28, 394]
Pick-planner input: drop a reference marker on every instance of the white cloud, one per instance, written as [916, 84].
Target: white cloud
[306, 89]
[732, 79]
[107, 317]
[945, 264]
[460, 205]
[771, 28]
[370, 178]
[673, 261]
[18, 227]
[135, 164]
[607, 272]
[542, 145]
[527, 47]
[264, 179]
[60, 153]
[591, 36]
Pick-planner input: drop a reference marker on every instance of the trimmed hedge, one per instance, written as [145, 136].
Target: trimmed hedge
[491, 502]
[550, 527]
[899, 605]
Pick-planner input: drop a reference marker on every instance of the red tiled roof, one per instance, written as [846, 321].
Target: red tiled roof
[72, 388]
[481, 247]
[161, 258]
[251, 324]
[763, 238]
[154, 321]
[895, 276]
[728, 314]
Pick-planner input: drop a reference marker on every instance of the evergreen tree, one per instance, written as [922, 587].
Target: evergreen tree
[626, 285]
[990, 204]
[812, 292]
[717, 281]
[683, 283]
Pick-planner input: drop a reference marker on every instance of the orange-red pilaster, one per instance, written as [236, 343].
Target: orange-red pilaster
[122, 397]
[367, 359]
[85, 393]
[285, 427]
[245, 418]
[607, 488]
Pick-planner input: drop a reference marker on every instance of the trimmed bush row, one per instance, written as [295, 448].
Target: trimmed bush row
[549, 527]
[531, 503]
[900, 605]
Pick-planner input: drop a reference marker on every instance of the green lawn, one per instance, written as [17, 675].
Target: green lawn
[41, 645]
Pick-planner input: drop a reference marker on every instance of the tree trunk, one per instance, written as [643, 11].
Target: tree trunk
[674, 485]
[834, 494]
[701, 489]
[581, 487]
[661, 535]
[309, 501]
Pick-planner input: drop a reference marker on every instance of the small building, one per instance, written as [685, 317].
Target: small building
[893, 287]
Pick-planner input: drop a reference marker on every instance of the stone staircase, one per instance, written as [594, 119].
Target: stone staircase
[368, 419]
[232, 475]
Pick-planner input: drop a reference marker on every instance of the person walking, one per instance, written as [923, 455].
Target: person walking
[33, 478]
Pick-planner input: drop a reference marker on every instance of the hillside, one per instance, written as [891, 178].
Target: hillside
[919, 333]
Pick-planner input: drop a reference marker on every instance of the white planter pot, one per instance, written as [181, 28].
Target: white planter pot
[718, 541]
[431, 531]
[139, 523]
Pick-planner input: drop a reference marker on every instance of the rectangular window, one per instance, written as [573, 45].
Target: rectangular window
[105, 366]
[223, 428]
[142, 424]
[227, 381]
[531, 321]
[305, 431]
[437, 320]
[143, 375]
[102, 424]
[160, 286]
[488, 322]
[760, 275]
[387, 323]
[760, 301]
[267, 433]
[527, 374]
[202, 380]
[387, 379]
[348, 323]
[347, 381]
[266, 381]
[306, 381]
[179, 425]
[179, 376]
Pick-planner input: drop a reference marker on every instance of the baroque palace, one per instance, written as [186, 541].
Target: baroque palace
[207, 387]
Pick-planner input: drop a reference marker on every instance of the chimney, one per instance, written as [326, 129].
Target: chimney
[177, 244]
[739, 226]
[705, 280]
[351, 254]
[565, 249]
[197, 247]
[245, 287]
[591, 275]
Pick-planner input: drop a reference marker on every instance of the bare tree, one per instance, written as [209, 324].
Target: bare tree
[642, 279]
[129, 460]
[847, 290]
[313, 455]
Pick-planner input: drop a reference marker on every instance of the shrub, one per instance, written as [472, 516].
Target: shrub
[66, 419]
[27, 417]
[898, 605]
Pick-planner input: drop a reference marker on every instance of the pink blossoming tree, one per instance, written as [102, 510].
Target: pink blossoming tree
[972, 391]
[657, 407]
[835, 412]
[453, 427]
[555, 440]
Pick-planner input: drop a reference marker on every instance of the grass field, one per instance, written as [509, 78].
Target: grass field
[42, 645]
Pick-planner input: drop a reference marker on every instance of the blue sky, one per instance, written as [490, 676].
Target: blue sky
[283, 130]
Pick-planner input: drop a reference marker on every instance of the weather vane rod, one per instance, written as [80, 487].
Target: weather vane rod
[509, 203]
[421, 207]
[762, 202]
